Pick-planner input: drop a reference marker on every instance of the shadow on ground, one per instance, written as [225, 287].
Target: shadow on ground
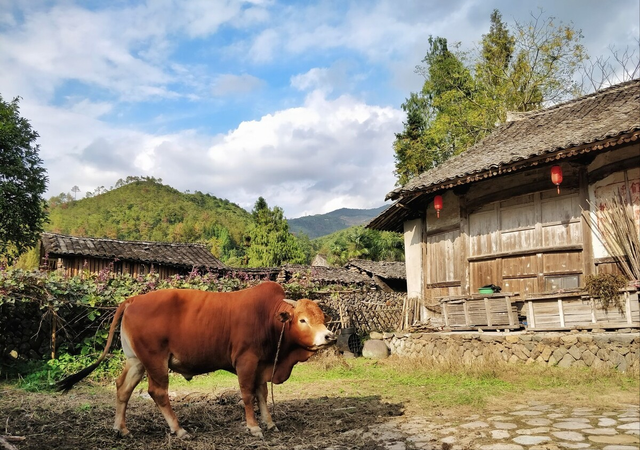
[84, 420]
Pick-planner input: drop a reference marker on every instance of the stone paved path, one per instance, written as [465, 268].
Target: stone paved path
[536, 426]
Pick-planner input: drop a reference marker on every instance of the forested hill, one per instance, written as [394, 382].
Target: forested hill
[149, 210]
[323, 224]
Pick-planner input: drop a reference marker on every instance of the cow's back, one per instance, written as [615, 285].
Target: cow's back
[201, 331]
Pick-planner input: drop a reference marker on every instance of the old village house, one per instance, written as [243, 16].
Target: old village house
[502, 220]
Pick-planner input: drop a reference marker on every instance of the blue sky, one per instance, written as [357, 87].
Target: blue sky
[297, 102]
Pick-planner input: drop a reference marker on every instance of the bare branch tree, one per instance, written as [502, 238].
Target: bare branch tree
[617, 67]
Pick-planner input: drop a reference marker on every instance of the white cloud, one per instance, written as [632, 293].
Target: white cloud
[314, 158]
[229, 84]
[264, 46]
[315, 155]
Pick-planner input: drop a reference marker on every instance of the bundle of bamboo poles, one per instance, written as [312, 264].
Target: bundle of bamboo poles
[411, 312]
[615, 227]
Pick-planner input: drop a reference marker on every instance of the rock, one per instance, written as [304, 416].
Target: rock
[375, 349]
[566, 361]
[375, 335]
[569, 435]
[531, 440]
[619, 439]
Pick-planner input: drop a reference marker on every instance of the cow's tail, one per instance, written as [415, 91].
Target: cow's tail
[67, 383]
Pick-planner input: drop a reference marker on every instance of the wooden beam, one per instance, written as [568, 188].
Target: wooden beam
[588, 262]
[531, 251]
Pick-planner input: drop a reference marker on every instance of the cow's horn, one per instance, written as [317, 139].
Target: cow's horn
[289, 301]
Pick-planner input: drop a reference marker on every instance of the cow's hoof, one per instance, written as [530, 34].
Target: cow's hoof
[256, 431]
[182, 434]
[272, 427]
[122, 432]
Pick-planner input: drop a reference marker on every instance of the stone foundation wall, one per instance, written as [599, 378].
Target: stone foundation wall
[598, 350]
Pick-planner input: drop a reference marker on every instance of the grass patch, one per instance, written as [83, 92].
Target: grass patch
[422, 383]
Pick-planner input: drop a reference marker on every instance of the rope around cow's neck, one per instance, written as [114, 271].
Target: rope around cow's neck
[273, 372]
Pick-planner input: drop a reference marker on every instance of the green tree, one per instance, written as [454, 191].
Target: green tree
[465, 95]
[269, 242]
[23, 181]
[361, 243]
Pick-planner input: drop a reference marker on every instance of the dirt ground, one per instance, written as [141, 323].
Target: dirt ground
[83, 420]
[328, 414]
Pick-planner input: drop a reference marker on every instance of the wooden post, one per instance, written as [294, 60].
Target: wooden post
[507, 300]
[627, 304]
[444, 313]
[487, 311]
[467, 319]
[561, 312]
[54, 326]
[531, 318]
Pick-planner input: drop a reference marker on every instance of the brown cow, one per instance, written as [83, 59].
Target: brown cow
[194, 332]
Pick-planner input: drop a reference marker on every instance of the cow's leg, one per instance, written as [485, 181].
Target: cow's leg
[125, 384]
[159, 392]
[265, 415]
[246, 371]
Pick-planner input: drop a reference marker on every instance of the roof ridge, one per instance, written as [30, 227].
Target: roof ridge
[121, 241]
[604, 91]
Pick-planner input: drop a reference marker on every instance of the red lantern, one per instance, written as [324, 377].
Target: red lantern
[556, 176]
[437, 204]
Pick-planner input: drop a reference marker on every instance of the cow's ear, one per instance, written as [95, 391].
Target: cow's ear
[284, 316]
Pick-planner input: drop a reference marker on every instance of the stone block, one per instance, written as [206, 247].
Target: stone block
[530, 346]
[601, 339]
[575, 352]
[569, 340]
[623, 339]
[559, 353]
[603, 355]
[566, 361]
[513, 359]
[579, 363]
[546, 353]
[587, 339]
[618, 361]
[588, 357]
[521, 352]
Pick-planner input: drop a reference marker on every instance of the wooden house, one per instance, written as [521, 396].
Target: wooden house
[503, 221]
[74, 255]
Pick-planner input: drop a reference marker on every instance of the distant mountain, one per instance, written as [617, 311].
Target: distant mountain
[323, 224]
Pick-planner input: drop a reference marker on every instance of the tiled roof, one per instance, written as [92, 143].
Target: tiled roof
[609, 113]
[186, 255]
[605, 118]
[384, 269]
[323, 274]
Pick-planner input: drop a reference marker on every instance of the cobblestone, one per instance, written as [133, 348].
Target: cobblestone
[552, 427]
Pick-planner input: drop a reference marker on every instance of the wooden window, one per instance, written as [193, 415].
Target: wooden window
[561, 282]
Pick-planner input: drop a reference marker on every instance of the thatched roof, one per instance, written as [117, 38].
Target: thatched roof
[164, 253]
[383, 269]
[602, 120]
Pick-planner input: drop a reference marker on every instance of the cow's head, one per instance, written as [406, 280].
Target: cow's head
[308, 327]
